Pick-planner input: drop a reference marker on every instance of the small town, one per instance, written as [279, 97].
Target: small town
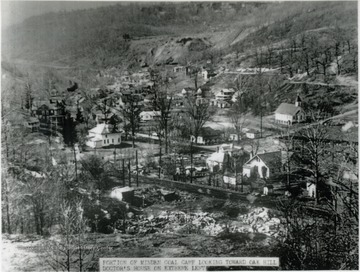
[181, 144]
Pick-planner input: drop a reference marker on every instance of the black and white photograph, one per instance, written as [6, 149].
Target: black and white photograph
[179, 135]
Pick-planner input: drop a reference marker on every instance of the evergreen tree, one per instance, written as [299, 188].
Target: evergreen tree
[79, 116]
[69, 132]
[114, 122]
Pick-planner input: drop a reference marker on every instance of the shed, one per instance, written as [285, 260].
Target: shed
[123, 193]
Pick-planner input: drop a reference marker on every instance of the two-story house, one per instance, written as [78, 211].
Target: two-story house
[103, 135]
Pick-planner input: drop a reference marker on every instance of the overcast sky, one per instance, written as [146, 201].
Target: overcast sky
[13, 12]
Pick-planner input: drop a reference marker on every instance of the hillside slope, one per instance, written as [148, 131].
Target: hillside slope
[95, 37]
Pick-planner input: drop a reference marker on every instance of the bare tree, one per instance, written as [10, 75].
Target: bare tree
[270, 55]
[162, 103]
[104, 108]
[238, 118]
[199, 112]
[28, 91]
[288, 144]
[71, 250]
[314, 137]
[131, 113]
[324, 59]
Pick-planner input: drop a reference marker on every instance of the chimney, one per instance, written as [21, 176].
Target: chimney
[217, 149]
[232, 145]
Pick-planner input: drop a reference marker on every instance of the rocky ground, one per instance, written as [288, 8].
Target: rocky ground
[190, 226]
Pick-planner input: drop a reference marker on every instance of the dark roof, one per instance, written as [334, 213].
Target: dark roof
[189, 89]
[289, 109]
[271, 159]
[209, 132]
[253, 131]
[205, 88]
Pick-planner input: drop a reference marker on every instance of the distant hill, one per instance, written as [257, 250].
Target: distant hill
[308, 43]
[109, 36]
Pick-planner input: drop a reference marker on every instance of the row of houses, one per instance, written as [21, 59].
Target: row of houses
[262, 165]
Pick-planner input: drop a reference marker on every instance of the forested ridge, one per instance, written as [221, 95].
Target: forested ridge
[87, 35]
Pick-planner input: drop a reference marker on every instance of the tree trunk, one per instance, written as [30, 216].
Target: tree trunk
[290, 71]
[133, 138]
[36, 220]
[160, 155]
[129, 169]
[338, 65]
[123, 173]
[137, 169]
[317, 181]
[191, 160]
[7, 207]
[195, 79]
[324, 67]
[238, 137]
[166, 140]
[76, 177]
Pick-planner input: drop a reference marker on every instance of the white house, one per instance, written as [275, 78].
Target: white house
[230, 149]
[230, 178]
[122, 193]
[207, 73]
[187, 91]
[233, 137]
[224, 94]
[207, 135]
[149, 115]
[102, 135]
[263, 165]
[178, 69]
[289, 113]
[223, 104]
[252, 134]
[311, 189]
[215, 161]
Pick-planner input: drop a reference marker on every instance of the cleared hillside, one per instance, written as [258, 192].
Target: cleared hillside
[95, 37]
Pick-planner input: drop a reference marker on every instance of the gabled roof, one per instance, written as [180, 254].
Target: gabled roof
[288, 109]
[151, 113]
[208, 131]
[217, 157]
[230, 147]
[253, 131]
[101, 129]
[272, 160]
[189, 89]
[204, 88]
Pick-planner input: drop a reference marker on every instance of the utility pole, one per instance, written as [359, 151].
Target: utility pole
[76, 177]
[261, 122]
[242, 184]
[191, 159]
[137, 169]
[236, 185]
[129, 173]
[123, 172]
[160, 161]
